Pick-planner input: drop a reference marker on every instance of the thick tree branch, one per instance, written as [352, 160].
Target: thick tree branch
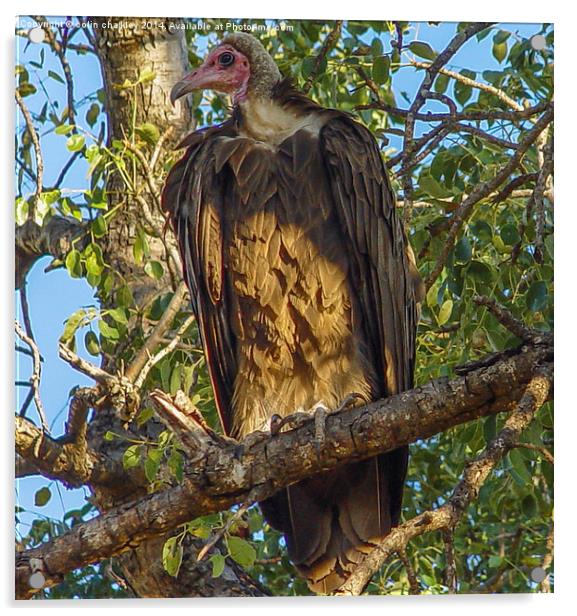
[54, 238]
[62, 460]
[222, 477]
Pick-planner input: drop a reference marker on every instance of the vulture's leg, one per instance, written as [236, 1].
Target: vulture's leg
[321, 413]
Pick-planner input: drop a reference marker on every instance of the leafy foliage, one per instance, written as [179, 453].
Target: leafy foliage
[496, 253]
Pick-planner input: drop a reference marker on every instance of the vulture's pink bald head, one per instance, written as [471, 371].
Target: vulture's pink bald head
[225, 69]
[239, 66]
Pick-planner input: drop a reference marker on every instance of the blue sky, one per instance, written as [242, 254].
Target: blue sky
[54, 296]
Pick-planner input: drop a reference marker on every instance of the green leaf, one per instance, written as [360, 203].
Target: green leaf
[500, 51]
[131, 456]
[72, 324]
[423, 50]
[144, 415]
[480, 271]
[536, 297]
[75, 143]
[431, 187]
[73, 264]
[152, 463]
[445, 312]
[119, 315]
[42, 496]
[490, 428]
[92, 114]
[241, 551]
[501, 37]
[26, 89]
[441, 83]
[148, 132]
[463, 250]
[308, 66]
[154, 269]
[55, 76]
[22, 209]
[107, 330]
[463, 92]
[99, 227]
[495, 561]
[64, 129]
[91, 343]
[176, 464]
[217, 561]
[172, 556]
[529, 506]
[519, 465]
[381, 67]
[510, 234]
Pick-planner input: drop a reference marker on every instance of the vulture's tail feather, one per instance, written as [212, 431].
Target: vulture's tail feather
[330, 521]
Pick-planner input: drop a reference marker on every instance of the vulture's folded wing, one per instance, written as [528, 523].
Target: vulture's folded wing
[193, 198]
[383, 272]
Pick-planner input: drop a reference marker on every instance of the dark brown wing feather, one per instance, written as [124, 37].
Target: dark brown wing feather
[193, 197]
[383, 272]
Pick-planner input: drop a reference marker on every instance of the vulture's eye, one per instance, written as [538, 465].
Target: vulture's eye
[226, 59]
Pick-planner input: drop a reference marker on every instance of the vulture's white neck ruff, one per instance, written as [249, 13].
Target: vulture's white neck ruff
[267, 121]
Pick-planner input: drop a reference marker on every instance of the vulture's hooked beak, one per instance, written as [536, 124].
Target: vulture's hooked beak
[204, 77]
[184, 86]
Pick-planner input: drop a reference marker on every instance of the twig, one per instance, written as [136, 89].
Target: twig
[171, 250]
[328, 45]
[414, 587]
[155, 337]
[37, 152]
[450, 566]
[490, 114]
[61, 53]
[36, 373]
[538, 193]
[548, 559]
[237, 515]
[152, 361]
[512, 323]
[481, 191]
[422, 93]
[545, 453]
[158, 148]
[474, 84]
[148, 175]
[94, 372]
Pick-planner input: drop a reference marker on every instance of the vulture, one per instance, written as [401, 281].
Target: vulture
[304, 287]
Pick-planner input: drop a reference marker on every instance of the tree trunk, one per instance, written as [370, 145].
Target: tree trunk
[124, 51]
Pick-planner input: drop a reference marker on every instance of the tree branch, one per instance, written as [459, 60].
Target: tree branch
[36, 372]
[328, 45]
[37, 152]
[225, 475]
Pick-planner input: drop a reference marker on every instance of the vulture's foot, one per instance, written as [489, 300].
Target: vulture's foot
[294, 421]
[321, 413]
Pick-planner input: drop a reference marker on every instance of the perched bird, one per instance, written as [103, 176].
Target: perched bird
[304, 287]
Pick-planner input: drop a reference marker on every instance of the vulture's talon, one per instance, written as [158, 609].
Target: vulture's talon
[294, 421]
